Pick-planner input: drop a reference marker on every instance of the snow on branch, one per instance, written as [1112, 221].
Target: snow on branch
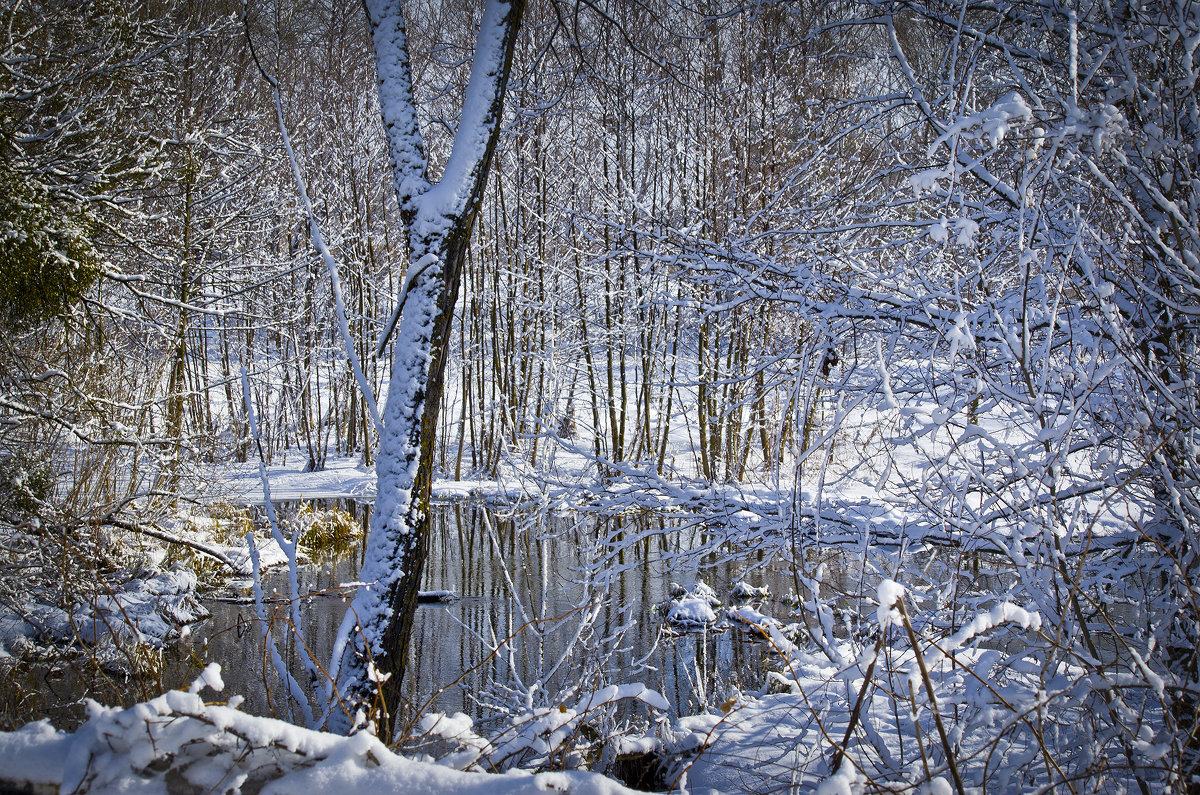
[397, 104]
[318, 240]
[289, 547]
[1005, 612]
[482, 107]
[992, 123]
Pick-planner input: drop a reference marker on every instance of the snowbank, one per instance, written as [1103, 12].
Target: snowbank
[177, 741]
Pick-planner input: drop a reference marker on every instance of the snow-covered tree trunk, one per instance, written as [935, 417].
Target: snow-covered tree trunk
[370, 653]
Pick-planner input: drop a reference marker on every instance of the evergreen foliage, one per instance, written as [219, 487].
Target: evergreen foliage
[47, 259]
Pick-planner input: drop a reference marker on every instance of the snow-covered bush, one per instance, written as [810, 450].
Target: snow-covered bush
[691, 608]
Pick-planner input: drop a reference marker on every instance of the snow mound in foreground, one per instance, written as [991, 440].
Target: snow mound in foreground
[177, 741]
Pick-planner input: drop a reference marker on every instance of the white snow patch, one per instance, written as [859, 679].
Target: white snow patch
[889, 593]
[691, 611]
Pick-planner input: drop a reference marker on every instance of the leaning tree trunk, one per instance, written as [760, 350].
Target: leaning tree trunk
[369, 656]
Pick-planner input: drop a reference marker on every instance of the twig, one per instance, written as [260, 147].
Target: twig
[937, 715]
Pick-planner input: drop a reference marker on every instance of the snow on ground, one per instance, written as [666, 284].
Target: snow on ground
[902, 472]
[178, 742]
[344, 477]
[149, 610]
[341, 477]
[790, 741]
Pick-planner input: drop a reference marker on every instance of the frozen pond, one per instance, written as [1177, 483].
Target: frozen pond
[545, 601]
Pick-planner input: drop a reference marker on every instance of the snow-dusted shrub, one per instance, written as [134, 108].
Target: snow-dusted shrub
[587, 734]
[26, 482]
[229, 523]
[326, 530]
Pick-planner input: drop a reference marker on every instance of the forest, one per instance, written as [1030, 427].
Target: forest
[600, 396]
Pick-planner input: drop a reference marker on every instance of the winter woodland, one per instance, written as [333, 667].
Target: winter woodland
[594, 395]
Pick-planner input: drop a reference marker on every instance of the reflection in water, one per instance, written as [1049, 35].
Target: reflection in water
[553, 605]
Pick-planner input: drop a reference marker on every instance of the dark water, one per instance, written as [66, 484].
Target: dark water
[551, 607]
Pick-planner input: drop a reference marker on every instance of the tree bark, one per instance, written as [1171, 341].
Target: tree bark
[370, 654]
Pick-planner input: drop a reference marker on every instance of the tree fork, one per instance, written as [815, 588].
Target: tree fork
[372, 646]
